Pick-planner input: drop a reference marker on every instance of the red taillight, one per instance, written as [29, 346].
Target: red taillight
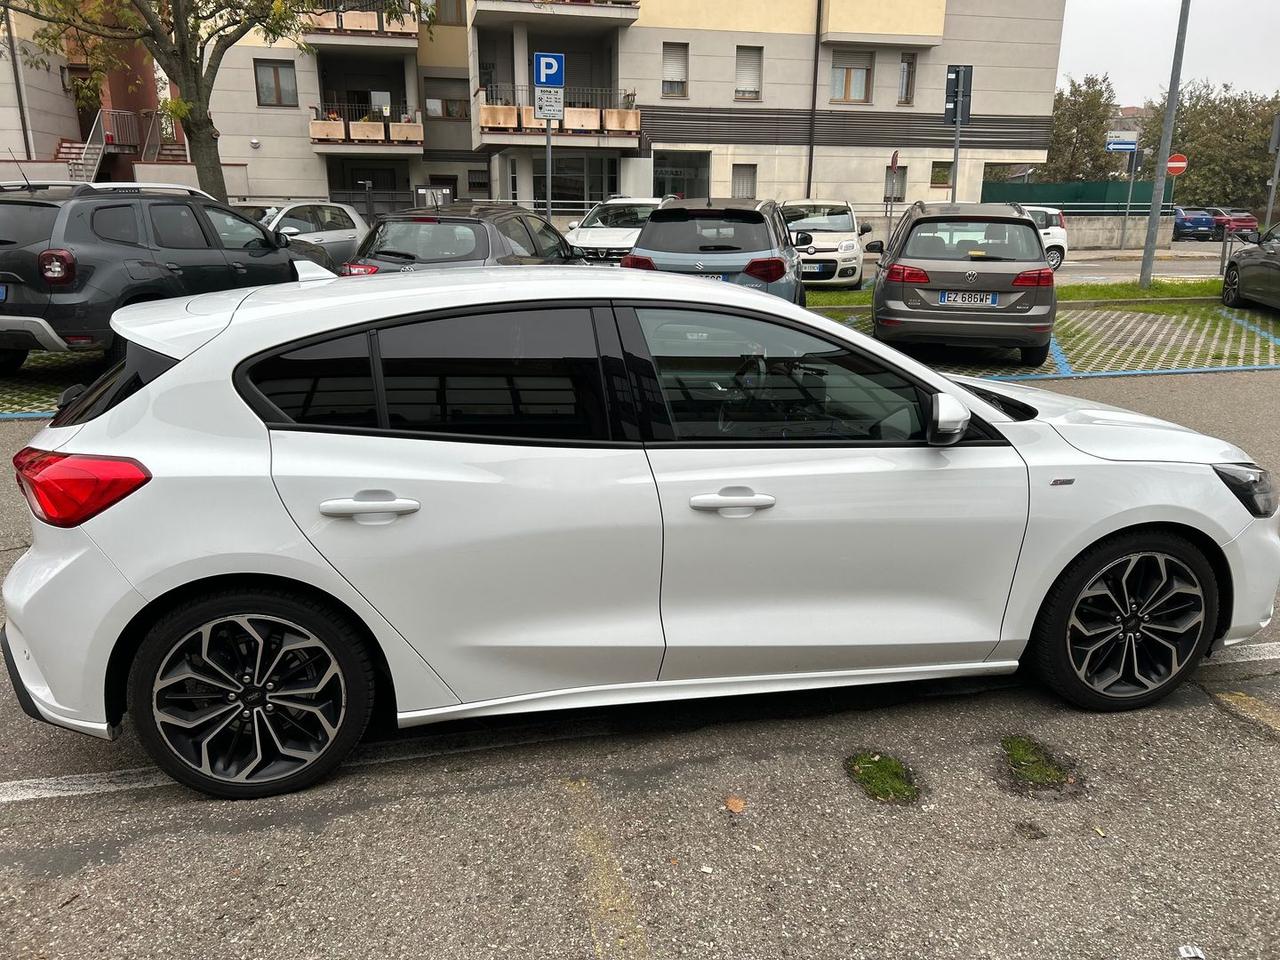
[1062, 220]
[358, 269]
[638, 263]
[57, 266]
[900, 274]
[1034, 278]
[66, 489]
[425, 220]
[768, 269]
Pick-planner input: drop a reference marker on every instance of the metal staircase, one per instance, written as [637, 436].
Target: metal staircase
[114, 131]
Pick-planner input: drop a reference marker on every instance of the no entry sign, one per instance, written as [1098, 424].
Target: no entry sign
[1177, 164]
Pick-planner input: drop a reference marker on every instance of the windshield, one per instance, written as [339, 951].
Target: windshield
[973, 240]
[818, 218]
[427, 241]
[625, 216]
[710, 231]
[26, 223]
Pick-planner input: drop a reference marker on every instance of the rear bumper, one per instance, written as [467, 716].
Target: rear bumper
[909, 326]
[29, 333]
[29, 687]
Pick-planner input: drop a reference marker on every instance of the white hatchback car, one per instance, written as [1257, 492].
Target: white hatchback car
[1053, 233]
[834, 257]
[476, 492]
[610, 229]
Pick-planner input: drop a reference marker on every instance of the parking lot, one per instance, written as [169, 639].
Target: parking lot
[721, 828]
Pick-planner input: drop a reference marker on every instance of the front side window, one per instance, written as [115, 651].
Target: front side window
[276, 82]
[521, 375]
[675, 70]
[851, 76]
[517, 236]
[175, 226]
[302, 219]
[973, 240]
[545, 239]
[235, 231]
[727, 378]
[326, 384]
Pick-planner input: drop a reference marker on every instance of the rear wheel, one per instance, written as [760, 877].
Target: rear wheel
[1126, 622]
[1054, 256]
[1034, 356]
[11, 361]
[250, 693]
[1231, 295]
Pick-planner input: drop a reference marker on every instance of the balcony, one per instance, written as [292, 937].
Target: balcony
[603, 13]
[360, 129]
[360, 23]
[506, 110]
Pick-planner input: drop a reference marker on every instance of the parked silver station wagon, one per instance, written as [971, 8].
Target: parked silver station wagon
[965, 273]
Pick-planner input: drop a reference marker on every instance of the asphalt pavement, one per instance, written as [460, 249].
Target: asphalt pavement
[715, 829]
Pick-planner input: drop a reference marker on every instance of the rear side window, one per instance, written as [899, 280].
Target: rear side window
[325, 384]
[715, 231]
[22, 224]
[530, 374]
[176, 227]
[117, 223]
[427, 241]
[971, 240]
[122, 381]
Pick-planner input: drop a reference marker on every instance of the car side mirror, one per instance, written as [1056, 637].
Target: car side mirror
[577, 253]
[864, 229]
[873, 246]
[282, 238]
[1251, 236]
[290, 231]
[801, 239]
[573, 224]
[948, 421]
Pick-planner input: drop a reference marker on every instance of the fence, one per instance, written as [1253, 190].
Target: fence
[597, 98]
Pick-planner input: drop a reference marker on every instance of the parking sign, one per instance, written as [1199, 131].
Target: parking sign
[548, 69]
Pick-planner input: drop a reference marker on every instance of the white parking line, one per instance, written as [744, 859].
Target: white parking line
[1245, 653]
[144, 778]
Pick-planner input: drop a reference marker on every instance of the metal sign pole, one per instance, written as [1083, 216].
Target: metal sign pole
[548, 168]
[1128, 203]
[955, 155]
[1275, 175]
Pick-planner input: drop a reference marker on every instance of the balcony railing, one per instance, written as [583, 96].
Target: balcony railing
[598, 98]
[359, 16]
[508, 107]
[361, 123]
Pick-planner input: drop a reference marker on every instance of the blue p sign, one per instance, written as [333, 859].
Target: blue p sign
[548, 69]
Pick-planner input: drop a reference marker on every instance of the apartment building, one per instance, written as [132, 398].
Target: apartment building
[769, 98]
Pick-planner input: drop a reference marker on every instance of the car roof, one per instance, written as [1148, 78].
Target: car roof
[612, 200]
[475, 211]
[714, 203]
[999, 211]
[816, 202]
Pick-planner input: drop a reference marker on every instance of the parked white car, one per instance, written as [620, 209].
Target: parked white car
[337, 228]
[1053, 232]
[473, 492]
[609, 230]
[834, 258]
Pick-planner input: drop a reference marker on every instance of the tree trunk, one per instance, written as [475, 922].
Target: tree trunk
[203, 142]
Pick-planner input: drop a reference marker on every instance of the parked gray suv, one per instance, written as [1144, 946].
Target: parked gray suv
[745, 242]
[972, 273]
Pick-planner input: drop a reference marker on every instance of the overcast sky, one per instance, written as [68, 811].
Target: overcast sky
[1228, 41]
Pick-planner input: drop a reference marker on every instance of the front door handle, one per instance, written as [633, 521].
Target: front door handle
[239, 267]
[370, 507]
[176, 268]
[732, 502]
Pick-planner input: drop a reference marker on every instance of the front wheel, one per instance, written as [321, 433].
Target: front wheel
[250, 693]
[1127, 622]
[1231, 295]
[11, 361]
[1034, 356]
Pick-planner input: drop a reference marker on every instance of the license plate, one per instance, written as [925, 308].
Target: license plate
[4, 292]
[713, 276]
[1202, 228]
[967, 298]
[811, 267]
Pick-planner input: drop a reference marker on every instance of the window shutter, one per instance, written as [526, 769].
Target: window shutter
[744, 180]
[851, 59]
[750, 67]
[675, 62]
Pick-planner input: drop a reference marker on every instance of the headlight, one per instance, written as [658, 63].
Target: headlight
[848, 246]
[1251, 485]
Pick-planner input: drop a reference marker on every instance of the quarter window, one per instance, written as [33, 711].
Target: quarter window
[326, 384]
[522, 375]
[118, 223]
[726, 378]
[276, 82]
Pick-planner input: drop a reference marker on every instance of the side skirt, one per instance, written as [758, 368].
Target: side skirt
[660, 690]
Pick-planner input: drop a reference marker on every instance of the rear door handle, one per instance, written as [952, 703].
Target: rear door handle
[370, 507]
[239, 267]
[732, 502]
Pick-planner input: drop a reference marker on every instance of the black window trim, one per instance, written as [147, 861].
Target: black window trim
[616, 406]
[641, 366]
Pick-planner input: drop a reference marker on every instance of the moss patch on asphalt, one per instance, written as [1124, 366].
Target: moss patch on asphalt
[1032, 767]
[882, 777]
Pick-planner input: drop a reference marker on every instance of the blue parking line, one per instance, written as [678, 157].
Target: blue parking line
[1131, 373]
[1249, 325]
[38, 415]
[1060, 357]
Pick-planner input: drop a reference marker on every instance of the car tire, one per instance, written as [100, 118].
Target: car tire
[1055, 257]
[1033, 356]
[1147, 650]
[1231, 295]
[309, 696]
[11, 361]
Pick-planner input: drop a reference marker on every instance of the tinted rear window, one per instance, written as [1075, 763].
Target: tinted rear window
[328, 383]
[427, 241]
[712, 231]
[122, 381]
[22, 224]
[970, 240]
[118, 223]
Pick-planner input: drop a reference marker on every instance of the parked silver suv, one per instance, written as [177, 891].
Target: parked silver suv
[972, 273]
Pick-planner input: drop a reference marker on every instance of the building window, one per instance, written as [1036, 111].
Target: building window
[907, 80]
[747, 83]
[744, 181]
[477, 183]
[895, 184]
[940, 173]
[451, 12]
[851, 75]
[675, 70]
[276, 82]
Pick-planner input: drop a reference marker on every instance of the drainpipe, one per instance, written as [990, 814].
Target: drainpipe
[17, 82]
[813, 104]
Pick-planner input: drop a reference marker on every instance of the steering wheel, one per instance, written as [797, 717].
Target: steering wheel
[741, 393]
